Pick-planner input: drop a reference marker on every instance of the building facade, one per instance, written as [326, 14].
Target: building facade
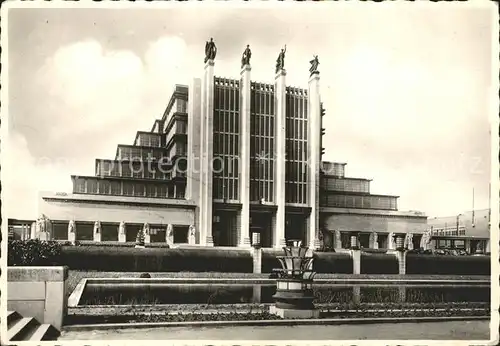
[229, 158]
[469, 231]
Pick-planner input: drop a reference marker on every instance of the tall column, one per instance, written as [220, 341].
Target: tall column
[314, 155]
[194, 148]
[244, 164]
[280, 115]
[207, 109]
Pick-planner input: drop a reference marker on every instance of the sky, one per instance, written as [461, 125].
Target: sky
[407, 89]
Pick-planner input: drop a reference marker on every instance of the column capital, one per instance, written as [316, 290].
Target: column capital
[281, 73]
[246, 68]
[209, 63]
[314, 76]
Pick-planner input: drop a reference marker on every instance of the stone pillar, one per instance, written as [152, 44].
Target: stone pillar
[207, 110]
[33, 230]
[356, 261]
[257, 260]
[244, 164]
[314, 157]
[337, 242]
[280, 149]
[194, 147]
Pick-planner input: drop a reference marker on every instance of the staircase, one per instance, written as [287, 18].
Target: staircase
[21, 328]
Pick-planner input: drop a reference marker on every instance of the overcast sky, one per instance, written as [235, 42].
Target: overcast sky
[406, 88]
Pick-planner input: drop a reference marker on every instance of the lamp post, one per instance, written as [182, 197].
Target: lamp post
[294, 295]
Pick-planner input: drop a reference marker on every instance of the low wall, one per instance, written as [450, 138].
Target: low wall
[38, 292]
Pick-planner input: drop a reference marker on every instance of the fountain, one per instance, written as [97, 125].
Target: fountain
[294, 295]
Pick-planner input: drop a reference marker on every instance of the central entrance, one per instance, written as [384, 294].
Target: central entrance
[262, 222]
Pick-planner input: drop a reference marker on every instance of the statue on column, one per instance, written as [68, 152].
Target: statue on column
[192, 234]
[426, 240]
[210, 50]
[169, 235]
[97, 227]
[314, 65]
[247, 54]
[390, 241]
[71, 226]
[121, 228]
[146, 228]
[280, 62]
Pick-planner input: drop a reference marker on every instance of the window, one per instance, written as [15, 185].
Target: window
[128, 189]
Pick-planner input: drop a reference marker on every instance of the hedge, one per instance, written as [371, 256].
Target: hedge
[447, 265]
[156, 260]
[332, 262]
[33, 252]
[376, 263]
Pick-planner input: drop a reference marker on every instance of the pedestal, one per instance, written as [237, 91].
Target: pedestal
[97, 237]
[280, 150]
[314, 157]
[244, 165]
[257, 260]
[72, 237]
[356, 261]
[293, 313]
[44, 236]
[122, 238]
[147, 239]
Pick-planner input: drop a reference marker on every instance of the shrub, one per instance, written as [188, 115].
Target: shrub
[447, 265]
[33, 252]
[332, 262]
[269, 260]
[376, 263]
[129, 259]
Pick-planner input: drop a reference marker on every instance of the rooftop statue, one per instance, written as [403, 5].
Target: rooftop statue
[314, 65]
[247, 54]
[210, 50]
[280, 62]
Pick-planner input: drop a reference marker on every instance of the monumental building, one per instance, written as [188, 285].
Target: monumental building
[228, 158]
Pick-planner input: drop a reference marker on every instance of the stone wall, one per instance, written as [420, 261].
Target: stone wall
[38, 292]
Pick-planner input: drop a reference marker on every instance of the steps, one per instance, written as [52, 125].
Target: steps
[21, 328]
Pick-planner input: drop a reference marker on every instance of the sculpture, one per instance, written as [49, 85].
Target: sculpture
[146, 228]
[408, 242]
[390, 241]
[97, 227]
[426, 240]
[121, 228]
[280, 62]
[314, 65]
[71, 226]
[192, 230]
[247, 54]
[210, 50]
[373, 239]
[170, 231]
[338, 239]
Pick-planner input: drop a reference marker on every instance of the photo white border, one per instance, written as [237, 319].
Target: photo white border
[495, 186]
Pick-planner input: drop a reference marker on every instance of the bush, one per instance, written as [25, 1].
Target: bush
[376, 263]
[332, 262]
[447, 265]
[127, 259]
[33, 252]
[269, 260]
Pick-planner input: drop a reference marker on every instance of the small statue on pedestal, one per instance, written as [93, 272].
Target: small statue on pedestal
[314, 65]
[247, 54]
[210, 50]
[280, 62]
[71, 226]
[97, 227]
